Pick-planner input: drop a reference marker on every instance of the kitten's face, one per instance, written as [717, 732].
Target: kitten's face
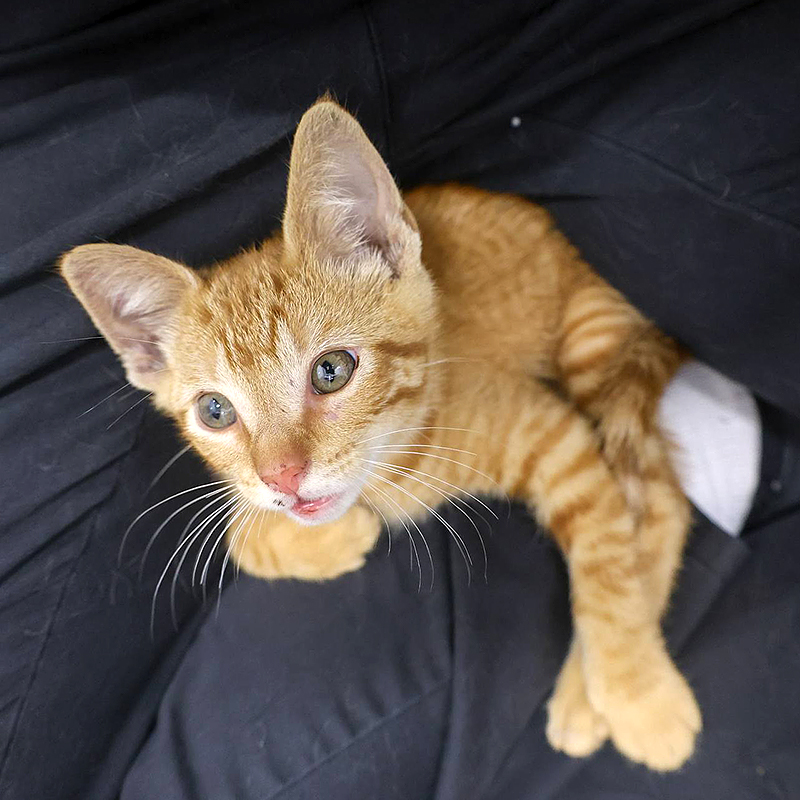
[302, 365]
[285, 365]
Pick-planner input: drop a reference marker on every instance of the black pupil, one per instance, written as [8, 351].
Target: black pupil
[214, 408]
[329, 371]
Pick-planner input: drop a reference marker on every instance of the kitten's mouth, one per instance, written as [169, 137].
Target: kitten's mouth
[308, 508]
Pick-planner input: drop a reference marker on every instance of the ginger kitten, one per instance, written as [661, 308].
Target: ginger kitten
[343, 368]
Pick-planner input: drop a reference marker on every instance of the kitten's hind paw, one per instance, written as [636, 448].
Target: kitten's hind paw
[573, 726]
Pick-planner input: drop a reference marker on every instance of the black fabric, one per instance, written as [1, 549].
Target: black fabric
[779, 491]
[663, 136]
[377, 690]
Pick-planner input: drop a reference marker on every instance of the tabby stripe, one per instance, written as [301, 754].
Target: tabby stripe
[583, 386]
[609, 540]
[581, 608]
[590, 359]
[542, 446]
[611, 565]
[275, 315]
[597, 322]
[571, 325]
[586, 301]
[609, 336]
[605, 574]
[406, 393]
[614, 505]
[584, 461]
[561, 520]
[398, 350]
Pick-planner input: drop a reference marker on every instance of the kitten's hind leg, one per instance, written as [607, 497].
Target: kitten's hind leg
[278, 547]
[614, 364]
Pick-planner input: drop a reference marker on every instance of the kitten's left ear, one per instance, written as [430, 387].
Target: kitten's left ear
[132, 297]
[342, 201]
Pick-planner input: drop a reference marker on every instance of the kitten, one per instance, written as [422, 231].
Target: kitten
[344, 366]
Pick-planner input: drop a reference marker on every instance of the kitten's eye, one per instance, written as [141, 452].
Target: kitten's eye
[332, 371]
[215, 410]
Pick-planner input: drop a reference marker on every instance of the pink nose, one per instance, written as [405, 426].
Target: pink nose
[286, 478]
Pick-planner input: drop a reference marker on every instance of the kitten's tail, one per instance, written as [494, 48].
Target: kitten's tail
[615, 365]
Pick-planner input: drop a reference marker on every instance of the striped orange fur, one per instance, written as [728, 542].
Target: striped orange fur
[491, 361]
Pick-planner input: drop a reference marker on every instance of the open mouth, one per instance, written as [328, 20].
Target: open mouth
[307, 508]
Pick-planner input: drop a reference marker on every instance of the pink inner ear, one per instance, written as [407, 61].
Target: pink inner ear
[360, 176]
[136, 331]
[132, 296]
[341, 197]
[148, 356]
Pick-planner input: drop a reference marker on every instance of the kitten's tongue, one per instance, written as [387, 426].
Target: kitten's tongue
[311, 506]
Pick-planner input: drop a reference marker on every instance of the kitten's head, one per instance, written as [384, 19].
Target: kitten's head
[285, 365]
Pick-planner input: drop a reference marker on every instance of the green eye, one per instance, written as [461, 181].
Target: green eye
[332, 371]
[215, 410]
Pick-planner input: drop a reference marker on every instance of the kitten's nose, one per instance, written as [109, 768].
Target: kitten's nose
[285, 477]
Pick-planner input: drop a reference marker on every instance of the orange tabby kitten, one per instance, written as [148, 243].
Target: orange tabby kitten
[343, 367]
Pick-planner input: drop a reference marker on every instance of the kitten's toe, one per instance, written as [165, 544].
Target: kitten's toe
[573, 726]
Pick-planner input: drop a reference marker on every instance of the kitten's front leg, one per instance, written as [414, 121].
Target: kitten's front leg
[630, 680]
[278, 547]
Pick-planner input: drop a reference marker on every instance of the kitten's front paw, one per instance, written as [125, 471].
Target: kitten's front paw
[656, 726]
[573, 726]
[281, 548]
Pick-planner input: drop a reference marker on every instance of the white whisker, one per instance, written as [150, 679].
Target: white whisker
[160, 503]
[452, 461]
[251, 511]
[224, 490]
[221, 521]
[235, 515]
[186, 546]
[76, 339]
[446, 483]
[431, 446]
[166, 466]
[391, 500]
[385, 523]
[259, 516]
[424, 428]
[455, 360]
[90, 338]
[140, 400]
[413, 552]
[200, 512]
[459, 541]
[107, 397]
[449, 497]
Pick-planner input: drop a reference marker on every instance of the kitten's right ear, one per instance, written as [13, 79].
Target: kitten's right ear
[132, 297]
